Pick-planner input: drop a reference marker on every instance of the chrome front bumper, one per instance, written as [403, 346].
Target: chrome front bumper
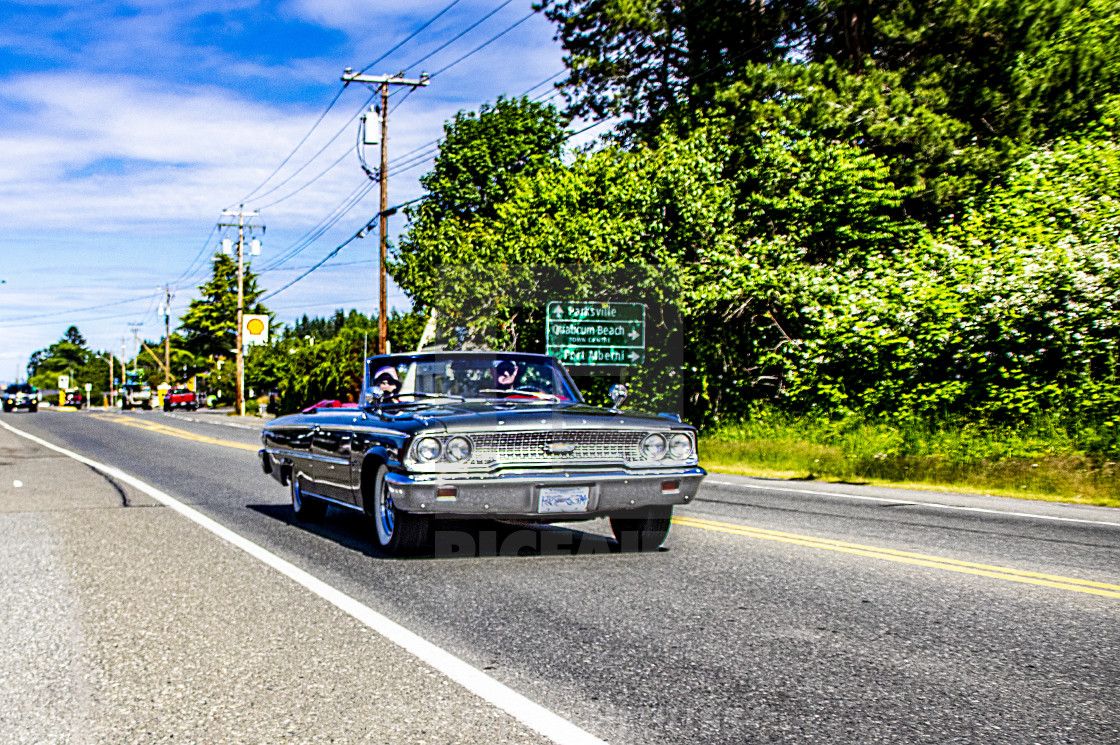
[517, 494]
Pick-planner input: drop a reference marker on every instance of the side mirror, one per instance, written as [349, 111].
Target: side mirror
[618, 394]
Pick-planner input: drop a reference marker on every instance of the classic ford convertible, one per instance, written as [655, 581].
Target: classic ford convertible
[483, 434]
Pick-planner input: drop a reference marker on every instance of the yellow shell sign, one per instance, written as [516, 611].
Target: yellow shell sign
[254, 329]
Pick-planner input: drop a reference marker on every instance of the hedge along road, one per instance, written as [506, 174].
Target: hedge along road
[760, 622]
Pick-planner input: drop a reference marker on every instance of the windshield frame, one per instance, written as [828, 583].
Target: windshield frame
[567, 391]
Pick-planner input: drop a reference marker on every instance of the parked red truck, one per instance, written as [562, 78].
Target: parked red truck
[182, 398]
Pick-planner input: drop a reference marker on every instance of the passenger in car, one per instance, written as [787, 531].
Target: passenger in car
[506, 375]
[387, 381]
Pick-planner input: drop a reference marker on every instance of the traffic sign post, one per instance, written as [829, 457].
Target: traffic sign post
[596, 333]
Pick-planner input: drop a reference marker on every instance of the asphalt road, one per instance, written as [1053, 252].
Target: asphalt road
[779, 612]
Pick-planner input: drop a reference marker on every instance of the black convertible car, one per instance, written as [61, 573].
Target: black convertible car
[483, 434]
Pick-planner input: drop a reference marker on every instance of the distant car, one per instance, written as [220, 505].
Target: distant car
[21, 396]
[76, 397]
[181, 398]
[136, 394]
[482, 434]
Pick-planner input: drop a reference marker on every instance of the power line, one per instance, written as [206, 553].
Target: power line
[341, 210]
[315, 178]
[316, 155]
[297, 147]
[338, 95]
[483, 45]
[430, 143]
[408, 38]
[410, 161]
[328, 257]
[190, 267]
[546, 80]
[461, 34]
[362, 232]
[77, 310]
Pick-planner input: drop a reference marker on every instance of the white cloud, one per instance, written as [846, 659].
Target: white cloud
[364, 15]
[113, 151]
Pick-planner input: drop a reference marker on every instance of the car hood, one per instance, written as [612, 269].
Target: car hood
[475, 416]
[514, 416]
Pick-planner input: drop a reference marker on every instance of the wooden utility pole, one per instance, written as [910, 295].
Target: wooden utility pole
[241, 225]
[135, 327]
[383, 81]
[112, 384]
[167, 334]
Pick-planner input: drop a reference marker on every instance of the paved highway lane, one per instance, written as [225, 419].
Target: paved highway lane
[777, 614]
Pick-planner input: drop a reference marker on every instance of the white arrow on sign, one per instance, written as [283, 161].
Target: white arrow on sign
[634, 334]
[634, 357]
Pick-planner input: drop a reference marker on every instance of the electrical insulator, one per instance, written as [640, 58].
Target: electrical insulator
[227, 246]
[255, 247]
[371, 126]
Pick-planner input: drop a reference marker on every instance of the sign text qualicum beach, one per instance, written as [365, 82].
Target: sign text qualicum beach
[596, 333]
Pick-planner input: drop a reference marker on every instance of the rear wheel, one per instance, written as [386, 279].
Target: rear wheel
[642, 530]
[398, 532]
[307, 509]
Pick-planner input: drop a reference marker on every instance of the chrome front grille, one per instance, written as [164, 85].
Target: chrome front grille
[557, 446]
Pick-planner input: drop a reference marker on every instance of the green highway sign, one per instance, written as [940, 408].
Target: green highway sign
[590, 333]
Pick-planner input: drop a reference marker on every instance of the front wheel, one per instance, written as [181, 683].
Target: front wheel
[306, 509]
[398, 532]
[34, 408]
[642, 530]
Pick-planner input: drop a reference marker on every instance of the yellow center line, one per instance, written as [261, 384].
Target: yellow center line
[164, 429]
[907, 557]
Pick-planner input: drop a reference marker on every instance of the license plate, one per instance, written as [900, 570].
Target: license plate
[564, 498]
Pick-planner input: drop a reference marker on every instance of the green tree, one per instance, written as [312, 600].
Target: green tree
[655, 60]
[70, 356]
[481, 160]
[329, 365]
[210, 323]
[947, 94]
[482, 155]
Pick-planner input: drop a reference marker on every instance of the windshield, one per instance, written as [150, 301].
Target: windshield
[472, 376]
[20, 388]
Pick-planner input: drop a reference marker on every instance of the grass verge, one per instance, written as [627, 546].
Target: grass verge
[1040, 462]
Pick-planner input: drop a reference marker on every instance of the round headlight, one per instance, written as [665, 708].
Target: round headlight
[458, 449]
[680, 446]
[653, 447]
[427, 449]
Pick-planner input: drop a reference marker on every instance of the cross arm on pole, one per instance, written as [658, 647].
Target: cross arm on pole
[356, 77]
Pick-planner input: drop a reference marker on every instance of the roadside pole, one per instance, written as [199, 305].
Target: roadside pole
[383, 82]
[241, 225]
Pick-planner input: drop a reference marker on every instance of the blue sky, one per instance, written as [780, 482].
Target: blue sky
[126, 129]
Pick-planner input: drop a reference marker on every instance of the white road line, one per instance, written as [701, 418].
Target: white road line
[911, 503]
[529, 713]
